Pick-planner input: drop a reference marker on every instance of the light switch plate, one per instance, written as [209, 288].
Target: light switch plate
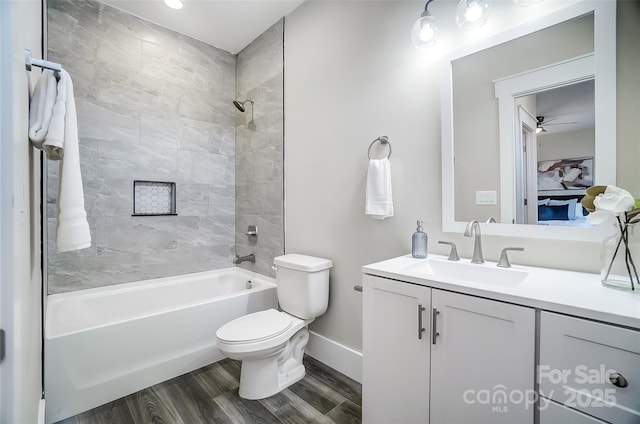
[486, 198]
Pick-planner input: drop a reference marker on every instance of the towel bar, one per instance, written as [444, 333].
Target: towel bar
[383, 139]
[29, 61]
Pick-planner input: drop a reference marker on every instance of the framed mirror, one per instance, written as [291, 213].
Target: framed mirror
[528, 122]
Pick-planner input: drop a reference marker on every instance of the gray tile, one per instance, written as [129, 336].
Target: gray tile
[192, 199]
[261, 59]
[156, 105]
[101, 123]
[82, 273]
[204, 168]
[137, 162]
[160, 131]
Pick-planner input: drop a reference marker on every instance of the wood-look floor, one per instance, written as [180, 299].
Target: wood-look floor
[210, 395]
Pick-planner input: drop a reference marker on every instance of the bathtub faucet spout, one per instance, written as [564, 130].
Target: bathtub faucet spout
[248, 258]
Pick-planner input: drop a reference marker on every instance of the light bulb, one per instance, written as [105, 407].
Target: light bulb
[174, 4]
[424, 31]
[526, 3]
[474, 12]
[471, 14]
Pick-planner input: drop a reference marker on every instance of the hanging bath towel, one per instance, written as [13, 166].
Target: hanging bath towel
[61, 143]
[379, 198]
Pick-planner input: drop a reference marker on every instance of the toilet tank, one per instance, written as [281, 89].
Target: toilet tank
[303, 284]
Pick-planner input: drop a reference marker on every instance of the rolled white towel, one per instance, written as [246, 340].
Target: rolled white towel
[379, 196]
[41, 107]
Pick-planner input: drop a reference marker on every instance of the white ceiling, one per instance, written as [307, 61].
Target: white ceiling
[227, 24]
[567, 108]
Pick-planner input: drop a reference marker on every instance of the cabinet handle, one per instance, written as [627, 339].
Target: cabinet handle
[618, 380]
[421, 330]
[434, 322]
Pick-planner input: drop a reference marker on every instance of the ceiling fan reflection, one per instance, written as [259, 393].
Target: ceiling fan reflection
[540, 127]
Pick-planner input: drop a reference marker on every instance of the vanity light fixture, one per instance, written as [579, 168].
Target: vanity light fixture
[174, 4]
[472, 14]
[424, 32]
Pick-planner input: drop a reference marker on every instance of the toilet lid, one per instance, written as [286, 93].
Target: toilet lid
[255, 327]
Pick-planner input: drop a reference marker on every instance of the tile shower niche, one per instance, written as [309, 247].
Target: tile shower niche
[153, 198]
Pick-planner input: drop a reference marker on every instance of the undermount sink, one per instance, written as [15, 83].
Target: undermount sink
[465, 271]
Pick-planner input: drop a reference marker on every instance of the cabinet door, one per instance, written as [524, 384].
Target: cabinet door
[395, 381]
[482, 362]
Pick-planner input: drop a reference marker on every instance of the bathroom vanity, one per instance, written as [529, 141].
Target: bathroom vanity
[454, 342]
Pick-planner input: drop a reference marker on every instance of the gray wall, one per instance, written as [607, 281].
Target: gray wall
[152, 105]
[259, 149]
[569, 144]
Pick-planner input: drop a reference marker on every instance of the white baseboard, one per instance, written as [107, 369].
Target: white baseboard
[41, 410]
[339, 357]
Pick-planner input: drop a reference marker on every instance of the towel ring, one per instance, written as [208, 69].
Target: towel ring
[383, 139]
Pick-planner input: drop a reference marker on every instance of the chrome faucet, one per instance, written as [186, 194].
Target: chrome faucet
[473, 229]
[248, 258]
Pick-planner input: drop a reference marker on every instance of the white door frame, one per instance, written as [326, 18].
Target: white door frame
[526, 168]
[6, 211]
[507, 89]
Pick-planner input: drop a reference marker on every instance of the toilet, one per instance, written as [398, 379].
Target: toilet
[271, 343]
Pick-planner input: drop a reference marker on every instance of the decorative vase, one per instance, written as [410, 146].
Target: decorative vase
[621, 258]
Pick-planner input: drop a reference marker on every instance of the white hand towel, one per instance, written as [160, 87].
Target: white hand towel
[41, 107]
[379, 201]
[73, 228]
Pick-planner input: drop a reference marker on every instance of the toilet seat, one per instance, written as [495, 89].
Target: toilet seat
[258, 331]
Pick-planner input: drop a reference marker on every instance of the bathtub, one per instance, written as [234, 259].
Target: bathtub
[105, 343]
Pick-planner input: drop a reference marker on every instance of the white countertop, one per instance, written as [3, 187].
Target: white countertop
[568, 292]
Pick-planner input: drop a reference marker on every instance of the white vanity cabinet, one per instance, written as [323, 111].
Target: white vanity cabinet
[495, 340]
[481, 352]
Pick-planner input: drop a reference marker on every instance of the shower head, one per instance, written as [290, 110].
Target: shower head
[240, 105]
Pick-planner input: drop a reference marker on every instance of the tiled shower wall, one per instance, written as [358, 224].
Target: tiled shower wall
[259, 149]
[152, 105]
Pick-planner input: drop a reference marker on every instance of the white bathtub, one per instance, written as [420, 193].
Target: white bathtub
[105, 343]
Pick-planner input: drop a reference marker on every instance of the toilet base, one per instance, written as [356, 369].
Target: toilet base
[264, 377]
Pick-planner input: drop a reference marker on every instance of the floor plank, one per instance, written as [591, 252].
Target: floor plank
[317, 394]
[346, 413]
[245, 411]
[147, 407]
[340, 383]
[210, 395]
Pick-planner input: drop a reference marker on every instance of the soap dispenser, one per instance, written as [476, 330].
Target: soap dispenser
[419, 242]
